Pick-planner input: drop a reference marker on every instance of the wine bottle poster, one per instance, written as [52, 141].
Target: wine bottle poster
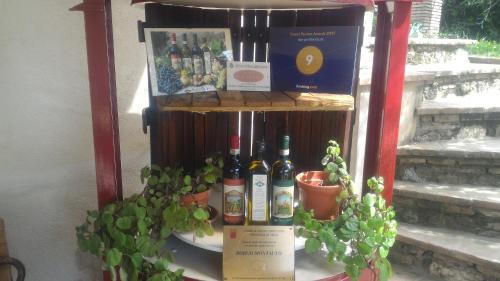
[182, 60]
[314, 59]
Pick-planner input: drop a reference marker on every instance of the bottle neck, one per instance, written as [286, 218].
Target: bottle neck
[260, 155]
[284, 153]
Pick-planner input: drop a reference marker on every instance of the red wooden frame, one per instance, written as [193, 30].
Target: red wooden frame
[391, 44]
[383, 119]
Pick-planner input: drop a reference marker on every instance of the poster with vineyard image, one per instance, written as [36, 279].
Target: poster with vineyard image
[183, 60]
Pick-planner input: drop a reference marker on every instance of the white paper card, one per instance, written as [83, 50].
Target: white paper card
[248, 76]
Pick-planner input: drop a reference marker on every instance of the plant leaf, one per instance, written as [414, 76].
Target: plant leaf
[124, 223]
[113, 257]
[200, 214]
[312, 245]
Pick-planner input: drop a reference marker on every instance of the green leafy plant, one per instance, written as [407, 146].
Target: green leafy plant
[360, 237]
[175, 182]
[128, 235]
[485, 48]
[336, 168]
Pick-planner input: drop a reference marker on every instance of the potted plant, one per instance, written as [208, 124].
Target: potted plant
[192, 189]
[360, 237]
[127, 235]
[320, 190]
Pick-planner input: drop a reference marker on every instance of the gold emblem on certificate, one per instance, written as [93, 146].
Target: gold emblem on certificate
[259, 253]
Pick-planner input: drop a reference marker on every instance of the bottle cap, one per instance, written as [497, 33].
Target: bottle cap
[285, 142]
[285, 145]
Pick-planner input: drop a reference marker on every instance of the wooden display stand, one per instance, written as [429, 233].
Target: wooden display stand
[180, 134]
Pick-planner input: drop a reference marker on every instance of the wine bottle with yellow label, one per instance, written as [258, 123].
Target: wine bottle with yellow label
[258, 183]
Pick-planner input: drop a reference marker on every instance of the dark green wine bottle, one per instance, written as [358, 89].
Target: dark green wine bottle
[283, 186]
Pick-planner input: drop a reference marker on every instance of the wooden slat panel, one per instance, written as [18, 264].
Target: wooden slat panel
[199, 139]
[236, 36]
[255, 99]
[231, 98]
[188, 151]
[209, 99]
[245, 136]
[262, 33]
[279, 99]
[316, 148]
[221, 143]
[210, 133]
[249, 32]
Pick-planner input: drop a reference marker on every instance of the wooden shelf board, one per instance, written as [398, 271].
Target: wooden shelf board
[262, 4]
[233, 101]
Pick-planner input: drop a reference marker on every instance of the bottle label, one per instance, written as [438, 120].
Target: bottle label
[259, 197]
[187, 64]
[198, 65]
[282, 200]
[284, 152]
[234, 151]
[208, 62]
[176, 63]
[234, 197]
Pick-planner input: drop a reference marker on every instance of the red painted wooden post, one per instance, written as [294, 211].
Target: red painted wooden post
[100, 57]
[391, 44]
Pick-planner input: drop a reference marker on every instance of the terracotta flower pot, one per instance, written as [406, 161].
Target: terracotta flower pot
[314, 196]
[201, 199]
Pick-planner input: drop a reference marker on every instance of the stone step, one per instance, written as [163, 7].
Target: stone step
[402, 272]
[447, 254]
[473, 209]
[463, 161]
[459, 117]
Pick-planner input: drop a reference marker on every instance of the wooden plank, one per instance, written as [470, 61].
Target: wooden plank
[260, 102]
[255, 99]
[333, 100]
[208, 99]
[279, 99]
[5, 273]
[231, 98]
[176, 100]
[305, 99]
